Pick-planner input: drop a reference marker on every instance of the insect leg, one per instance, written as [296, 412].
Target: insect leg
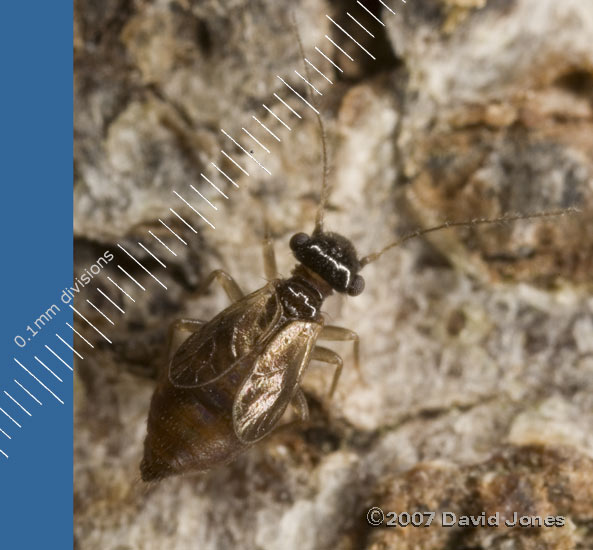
[301, 409]
[227, 282]
[327, 355]
[330, 332]
[270, 268]
[179, 330]
[299, 403]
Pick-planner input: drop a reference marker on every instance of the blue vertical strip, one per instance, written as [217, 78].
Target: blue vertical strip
[36, 224]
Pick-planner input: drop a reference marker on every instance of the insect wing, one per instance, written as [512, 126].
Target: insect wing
[234, 336]
[267, 391]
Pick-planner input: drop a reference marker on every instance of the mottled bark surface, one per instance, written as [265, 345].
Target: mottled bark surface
[476, 344]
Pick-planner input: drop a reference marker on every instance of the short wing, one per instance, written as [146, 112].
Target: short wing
[267, 391]
[235, 335]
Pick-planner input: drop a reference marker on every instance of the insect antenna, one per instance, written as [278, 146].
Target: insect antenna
[467, 223]
[325, 188]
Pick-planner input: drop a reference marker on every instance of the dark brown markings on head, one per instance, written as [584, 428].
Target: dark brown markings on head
[332, 257]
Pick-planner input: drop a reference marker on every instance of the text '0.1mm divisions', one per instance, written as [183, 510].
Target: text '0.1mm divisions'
[66, 297]
[36, 326]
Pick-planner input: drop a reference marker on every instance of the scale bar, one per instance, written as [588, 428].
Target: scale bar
[68, 346]
[183, 220]
[132, 278]
[109, 300]
[81, 315]
[314, 67]
[225, 196]
[295, 92]
[276, 116]
[194, 209]
[46, 367]
[15, 401]
[370, 12]
[389, 7]
[150, 231]
[159, 261]
[311, 85]
[224, 174]
[173, 232]
[246, 152]
[352, 38]
[203, 197]
[110, 279]
[287, 105]
[97, 309]
[2, 410]
[343, 51]
[40, 382]
[159, 282]
[361, 25]
[74, 330]
[27, 391]
[52, 351]
[336, 66]
[266, 128]
[256, 141]
[235, 163]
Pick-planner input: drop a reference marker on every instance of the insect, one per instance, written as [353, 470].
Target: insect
[230, 382]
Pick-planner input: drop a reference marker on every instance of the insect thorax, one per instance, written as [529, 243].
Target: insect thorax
[300, 297]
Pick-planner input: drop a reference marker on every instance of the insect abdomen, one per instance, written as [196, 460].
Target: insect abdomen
[189, 429]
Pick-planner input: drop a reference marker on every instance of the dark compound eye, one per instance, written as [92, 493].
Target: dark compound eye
[298, 240]
[356, 286]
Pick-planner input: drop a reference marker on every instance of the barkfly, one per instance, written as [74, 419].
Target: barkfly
[229, 383]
